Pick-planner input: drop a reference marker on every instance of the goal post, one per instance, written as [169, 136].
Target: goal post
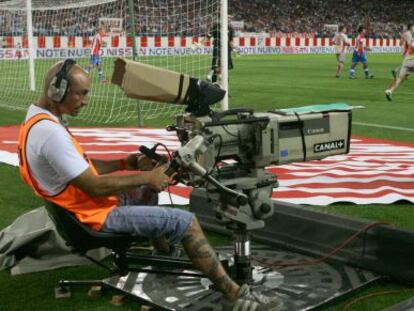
[224, 52]
[31, 56]
[34, 34]
[331, 29]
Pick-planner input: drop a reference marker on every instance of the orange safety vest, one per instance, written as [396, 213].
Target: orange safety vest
[91, 211]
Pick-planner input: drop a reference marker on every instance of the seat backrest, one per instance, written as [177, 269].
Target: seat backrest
[81, 237]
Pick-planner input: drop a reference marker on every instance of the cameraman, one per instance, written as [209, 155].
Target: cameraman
[54, 164]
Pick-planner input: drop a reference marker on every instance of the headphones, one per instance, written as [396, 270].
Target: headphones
[59, 86]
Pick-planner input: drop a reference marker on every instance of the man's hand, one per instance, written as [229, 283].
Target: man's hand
[158, 181]
[137, 161]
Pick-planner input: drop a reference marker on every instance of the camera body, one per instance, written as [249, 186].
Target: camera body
[257, 140]
[226, 154]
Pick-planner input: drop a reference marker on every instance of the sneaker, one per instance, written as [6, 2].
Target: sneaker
[370, 76]
[352, 77]
[388, 95]
[251, 301]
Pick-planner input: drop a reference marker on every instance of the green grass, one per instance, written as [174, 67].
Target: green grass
[262, 83]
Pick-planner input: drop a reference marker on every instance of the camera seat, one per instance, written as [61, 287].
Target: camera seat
[82, 239]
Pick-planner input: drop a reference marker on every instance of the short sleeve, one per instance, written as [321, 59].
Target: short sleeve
[63, 156]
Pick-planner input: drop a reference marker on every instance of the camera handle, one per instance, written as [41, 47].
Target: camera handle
[217, 116]
[186, 157]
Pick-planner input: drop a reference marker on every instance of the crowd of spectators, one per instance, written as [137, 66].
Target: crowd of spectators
[383, 19]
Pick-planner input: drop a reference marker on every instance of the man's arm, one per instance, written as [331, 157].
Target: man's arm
[107, 166]
[132, 162]
[102, 185]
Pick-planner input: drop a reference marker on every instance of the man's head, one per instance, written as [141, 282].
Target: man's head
[342, 28]
[361, 29]
[101, 30]
[68, 96]
[410, 27]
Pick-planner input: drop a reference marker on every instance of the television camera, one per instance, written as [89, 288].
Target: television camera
[225, 154]
[227, 158]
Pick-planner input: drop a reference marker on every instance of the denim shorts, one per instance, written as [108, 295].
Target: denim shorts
[137, 216]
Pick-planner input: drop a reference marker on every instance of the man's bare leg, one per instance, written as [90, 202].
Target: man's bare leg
[339, 68]
[395, 83]
[204, 259]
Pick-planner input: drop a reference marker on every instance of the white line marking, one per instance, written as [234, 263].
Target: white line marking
[399, 128]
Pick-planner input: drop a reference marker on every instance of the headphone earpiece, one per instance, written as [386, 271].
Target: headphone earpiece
[59, 86]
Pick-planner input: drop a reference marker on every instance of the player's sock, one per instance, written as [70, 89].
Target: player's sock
[102, 77]
[367, 74]
[210, 75]
[352, 73]
[388, 94]
[101, 74]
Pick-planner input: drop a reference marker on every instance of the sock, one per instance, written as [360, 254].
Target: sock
[101, 75]
[352, 72]
[210, 75]
[366, 72]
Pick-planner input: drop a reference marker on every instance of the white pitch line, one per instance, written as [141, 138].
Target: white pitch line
[399, 128]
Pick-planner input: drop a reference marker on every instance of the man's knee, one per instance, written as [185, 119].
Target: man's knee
[194, 222]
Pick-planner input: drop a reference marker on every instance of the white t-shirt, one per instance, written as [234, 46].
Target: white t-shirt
[340, 41]
[53, 159]
[407, 44]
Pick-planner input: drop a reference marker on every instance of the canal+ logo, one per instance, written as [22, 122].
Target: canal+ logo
[329, 146]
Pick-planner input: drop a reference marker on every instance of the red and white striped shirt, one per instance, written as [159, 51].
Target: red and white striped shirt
[96, 44]
[360, 43]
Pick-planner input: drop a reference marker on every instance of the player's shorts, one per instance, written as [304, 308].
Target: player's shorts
[96, 60]
[340, 57]
[407, 67]
[359, 57]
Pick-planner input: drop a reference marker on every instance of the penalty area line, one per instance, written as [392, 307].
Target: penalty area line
[398, 128]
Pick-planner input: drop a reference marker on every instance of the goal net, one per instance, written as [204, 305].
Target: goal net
[156, 32]
[330, 30]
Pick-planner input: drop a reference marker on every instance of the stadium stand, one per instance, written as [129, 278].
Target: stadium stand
[383, 19]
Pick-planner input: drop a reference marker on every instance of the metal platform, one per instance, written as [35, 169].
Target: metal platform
[406, 305]
[300, 287]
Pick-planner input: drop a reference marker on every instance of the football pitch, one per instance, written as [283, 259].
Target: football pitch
[263, 83]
